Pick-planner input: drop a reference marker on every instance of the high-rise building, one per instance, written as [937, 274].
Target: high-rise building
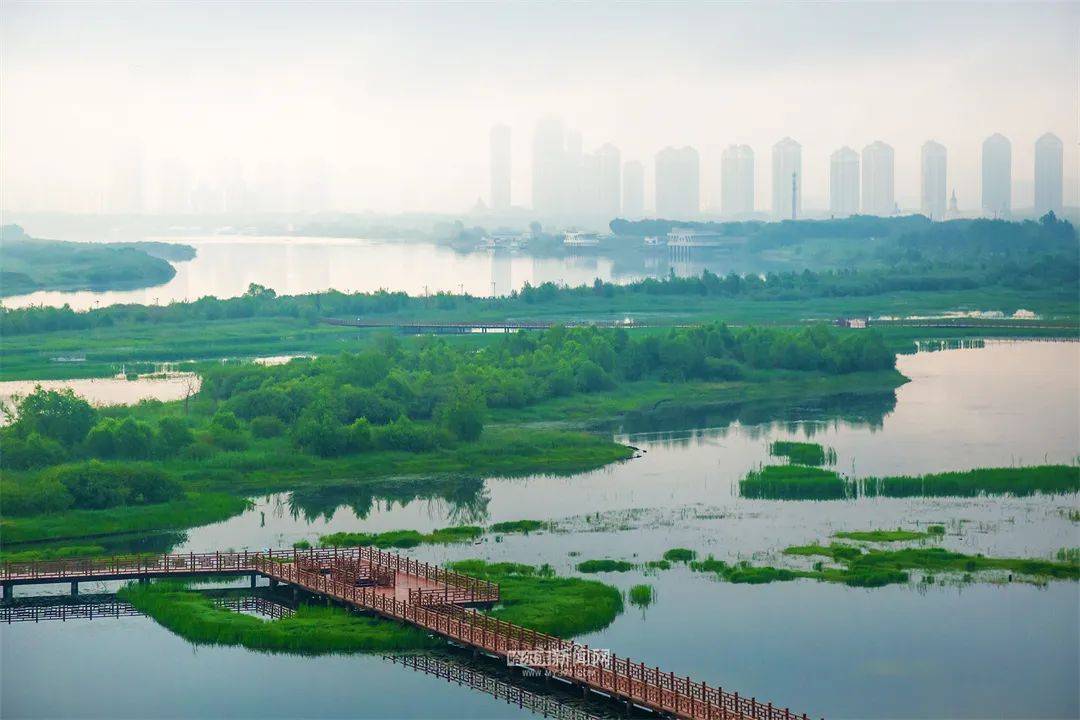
[878, 196]
[678, 183]
[1049, 153]
[934, 168]
[500, 168]
[844, 182]
[633, 190]
[601, 195]
[997, 176]
[737, 180]
[549, 151]
[787, 179]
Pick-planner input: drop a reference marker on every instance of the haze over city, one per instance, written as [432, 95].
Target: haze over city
[391, 109]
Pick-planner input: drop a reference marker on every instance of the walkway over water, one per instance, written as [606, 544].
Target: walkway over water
[429, 597]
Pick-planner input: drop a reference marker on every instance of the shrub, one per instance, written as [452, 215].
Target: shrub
[462, 415]
[680, 555]
[595, 566]
[33, 451]
[134, 439]
[266, 426]
[42, 495]
[95, 484]
[174, 435]
[101, 440]
[224, 432]
[404, 434]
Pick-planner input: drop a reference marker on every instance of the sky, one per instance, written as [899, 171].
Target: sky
[387, 107]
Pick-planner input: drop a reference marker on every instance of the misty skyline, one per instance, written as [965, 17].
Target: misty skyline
[390, 107]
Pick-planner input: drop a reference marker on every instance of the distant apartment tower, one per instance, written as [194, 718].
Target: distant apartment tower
[603, 182]
[878, 196]
[934, 168]
[678, 183]
[737, 180]
[549, 152]
[1049, 152]
[997, 176]
[633, 190]
[844, 182]
[787, 179]
[500, 168]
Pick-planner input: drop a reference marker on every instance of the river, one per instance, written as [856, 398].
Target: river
[224, 266]
[950, 648]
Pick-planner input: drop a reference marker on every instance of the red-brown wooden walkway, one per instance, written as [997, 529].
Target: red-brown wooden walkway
[432, 598]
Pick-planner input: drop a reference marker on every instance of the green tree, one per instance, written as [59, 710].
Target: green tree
[58, 414]
[463, 415]
[174, 434]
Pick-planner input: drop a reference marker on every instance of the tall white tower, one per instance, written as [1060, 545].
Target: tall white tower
[934, 173]
[844, 182]
[786, 173]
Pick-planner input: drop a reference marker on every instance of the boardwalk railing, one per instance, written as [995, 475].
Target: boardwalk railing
[619, 677]
[437, 609]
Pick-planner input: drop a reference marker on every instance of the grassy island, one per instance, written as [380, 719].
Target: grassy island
[30, 264]
[801, 482]
[530, 596]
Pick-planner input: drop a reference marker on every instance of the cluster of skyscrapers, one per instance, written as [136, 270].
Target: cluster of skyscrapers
[569, 182]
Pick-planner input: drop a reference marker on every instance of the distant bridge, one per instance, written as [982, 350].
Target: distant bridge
[429, 597]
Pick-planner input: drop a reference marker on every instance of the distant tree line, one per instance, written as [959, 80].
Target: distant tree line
[931, 257]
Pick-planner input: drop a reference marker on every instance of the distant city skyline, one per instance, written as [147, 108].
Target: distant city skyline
[396, 116]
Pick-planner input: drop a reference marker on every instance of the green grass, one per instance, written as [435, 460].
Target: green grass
[1048, 479]
[641, 595]
[532, 597]
[194, 510]
[858, 563]
[681, 555]
[800, 482]
[561, 606]
[794, 482]
[658, 565]
[53, 553]
[599, 566]
[803, 453]
[312, 630]
[217, 486]
[897, 535]
[859, 567]
[518, 526]
[403, 538]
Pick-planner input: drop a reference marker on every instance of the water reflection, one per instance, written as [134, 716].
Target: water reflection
[853, 409]
[224, 267]
[463, 500]
[488, 678]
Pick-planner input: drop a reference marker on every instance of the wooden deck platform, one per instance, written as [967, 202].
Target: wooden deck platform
[434, 599]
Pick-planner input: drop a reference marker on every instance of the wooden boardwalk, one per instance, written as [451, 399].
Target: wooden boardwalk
[437, 600]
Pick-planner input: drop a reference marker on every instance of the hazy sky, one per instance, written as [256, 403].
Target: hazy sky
[393, 103]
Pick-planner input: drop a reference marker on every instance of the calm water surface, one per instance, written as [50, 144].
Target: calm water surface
[918, 650]
[225, 265]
